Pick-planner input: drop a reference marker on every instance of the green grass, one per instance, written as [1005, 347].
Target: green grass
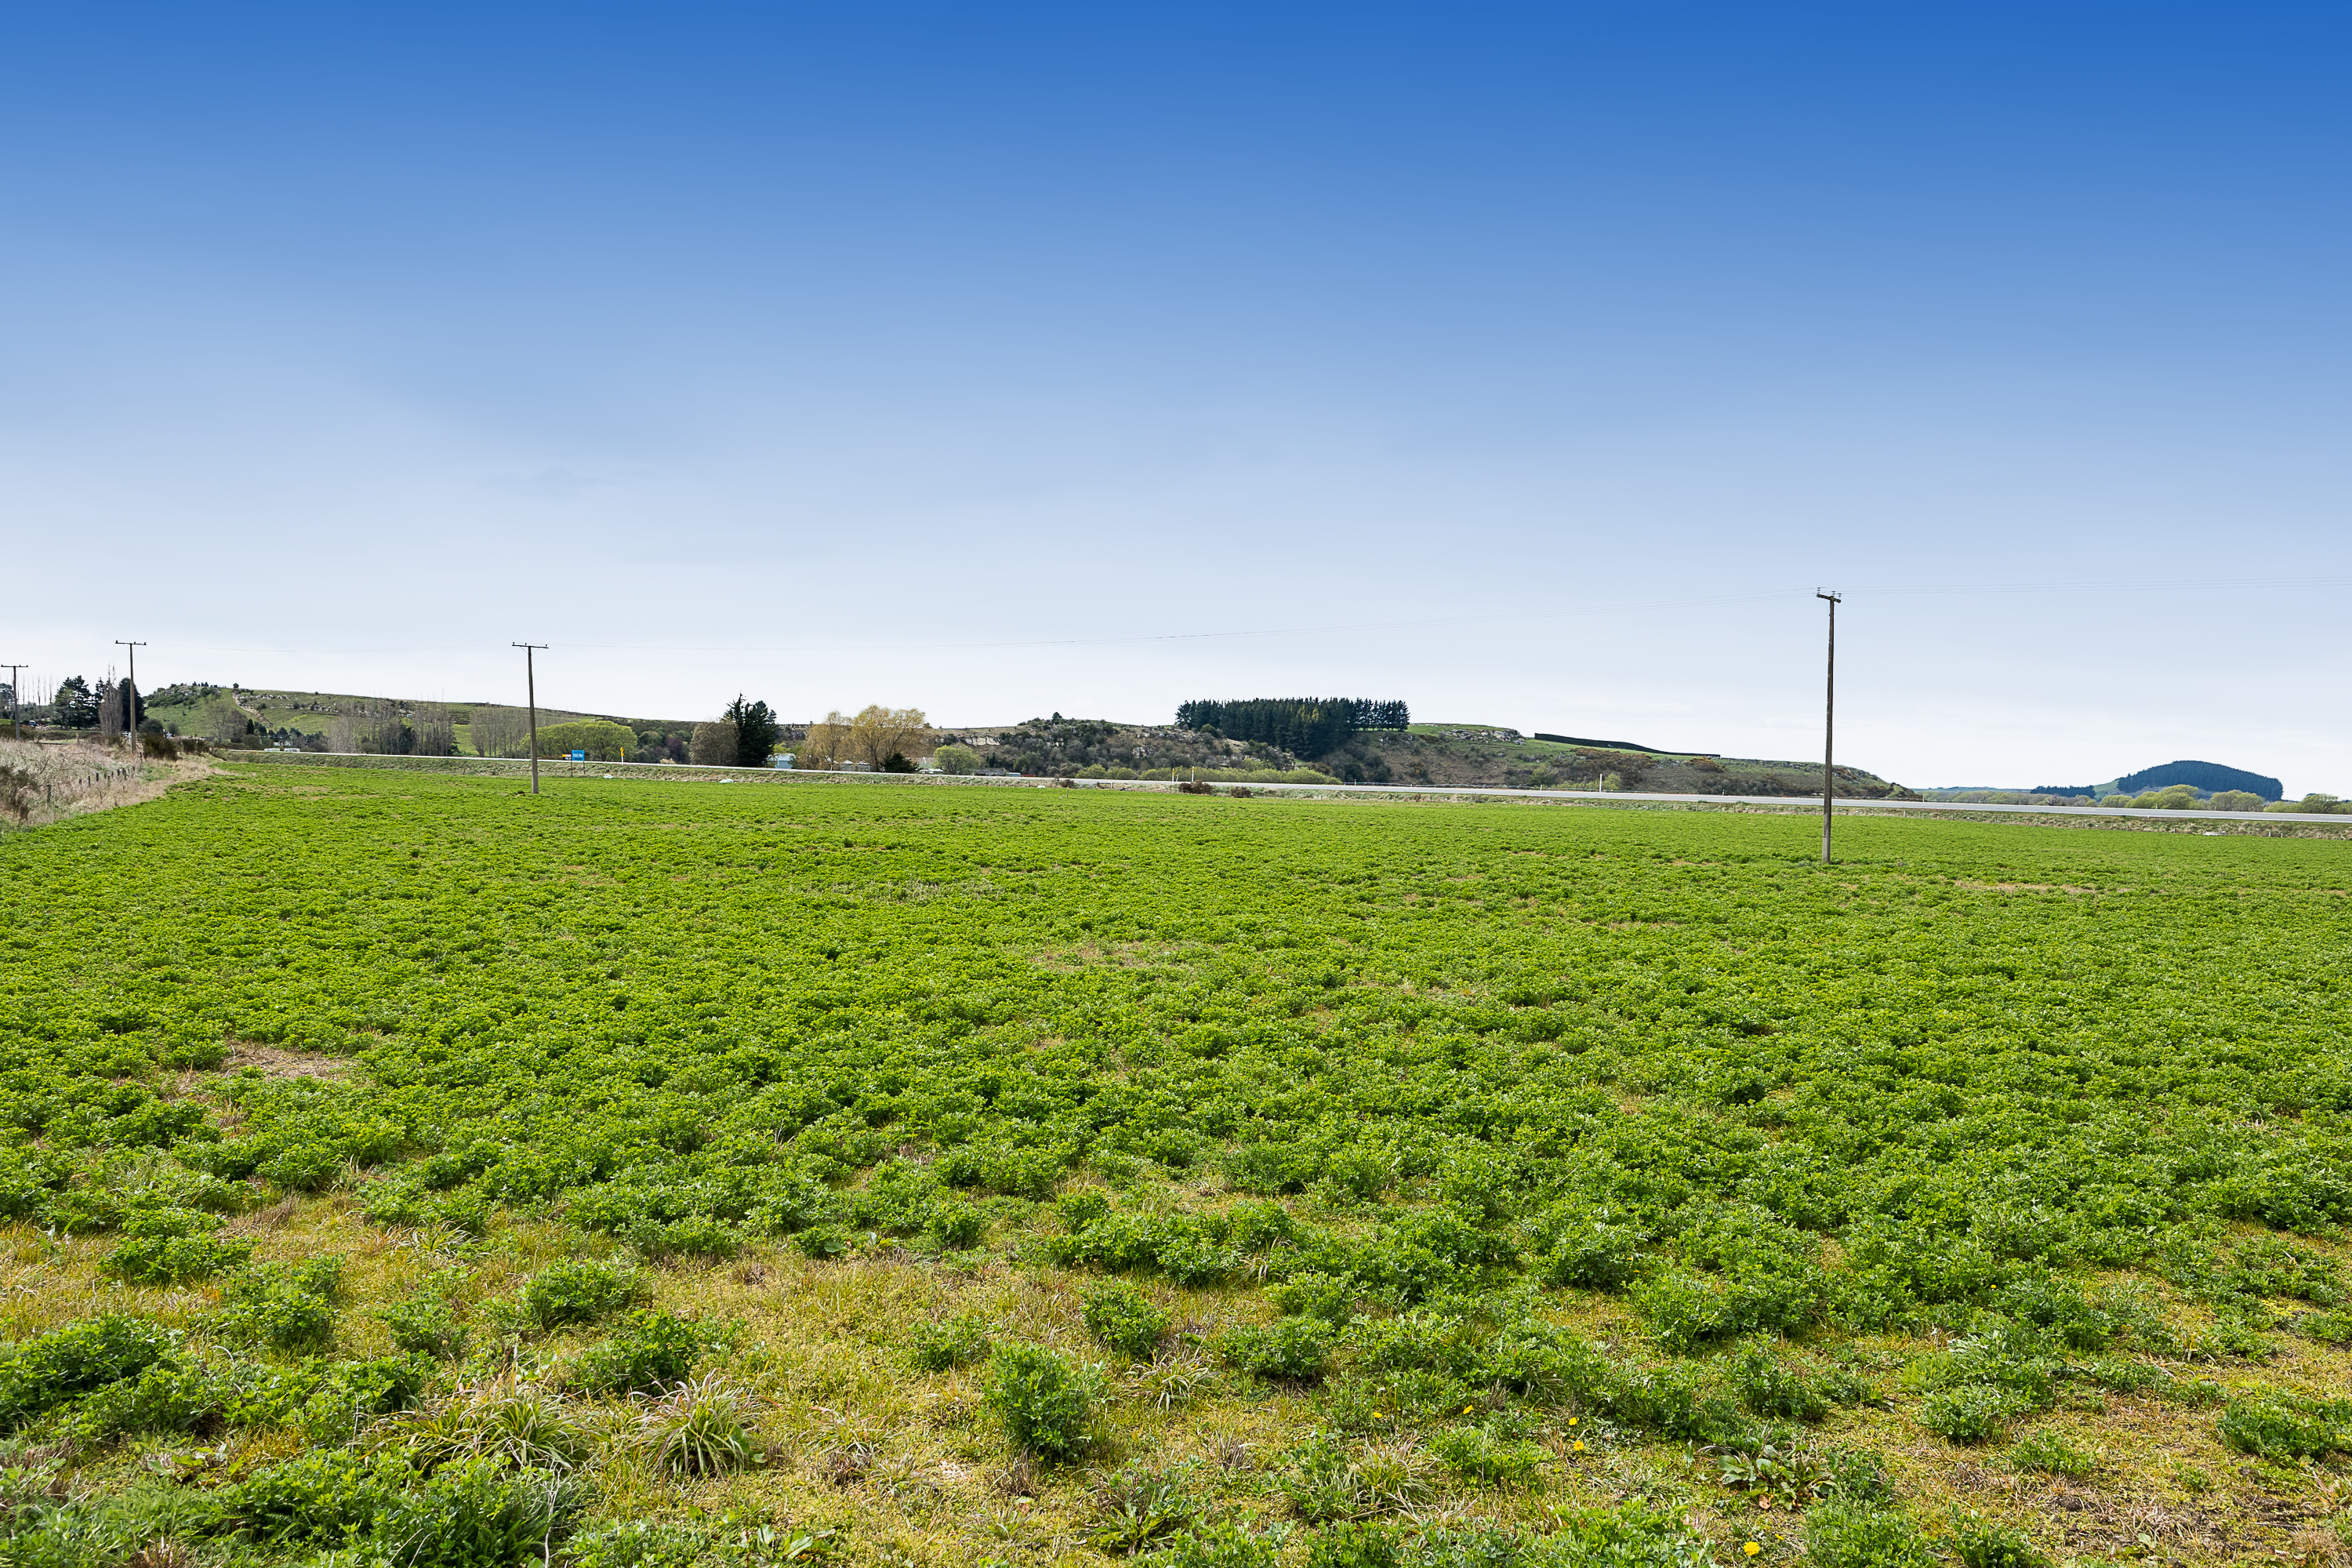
[935, 1175]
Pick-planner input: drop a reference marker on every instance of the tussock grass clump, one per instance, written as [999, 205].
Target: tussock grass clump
[702, 1428]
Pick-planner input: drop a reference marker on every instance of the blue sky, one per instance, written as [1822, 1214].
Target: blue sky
[1531, 363]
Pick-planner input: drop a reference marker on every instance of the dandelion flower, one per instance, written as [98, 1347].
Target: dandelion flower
[1574, 1419]
[1580, 1446]
[1752, 1549]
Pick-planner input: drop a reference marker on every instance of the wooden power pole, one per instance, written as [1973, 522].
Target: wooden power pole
[1828, 726]
[530, 688]
[130, 703]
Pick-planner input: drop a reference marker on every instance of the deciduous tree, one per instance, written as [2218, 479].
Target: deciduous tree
[878, 731]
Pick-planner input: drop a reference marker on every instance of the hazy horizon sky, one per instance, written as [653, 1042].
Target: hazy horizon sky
[1531, 363]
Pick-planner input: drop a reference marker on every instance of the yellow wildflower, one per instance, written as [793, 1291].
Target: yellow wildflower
[1752, 1549]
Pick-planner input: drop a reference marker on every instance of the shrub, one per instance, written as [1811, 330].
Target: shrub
[822, 1240]
[325, 1496]
[946, 1343]
[581, 1291]
[1844, 1535]
[654, 1349]
[1047, 1405]
[1770, 1388]
[477, 1514]
[1293, 1347]
[954, 1226]
[1219, 1546]
[2272, 1425]
[644, 1543]
[353, 1391]
[1986, 1543]
[1270, 1168]
[1356, 1545]
[50, 1369]
[165, 1397]
[1138, 1505]
[1968, 1412]
[2048, 1451]
[1331, 1298]
[426, 1324]
[1123, 1319]
[1488, 1456]
[1574, 1246]
[281, 1308]
[174, 1259]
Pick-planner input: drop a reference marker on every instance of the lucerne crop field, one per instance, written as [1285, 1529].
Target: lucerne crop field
[400, 1168]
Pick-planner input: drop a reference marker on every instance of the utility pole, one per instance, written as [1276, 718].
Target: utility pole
[16, 699]
[131, 704]
[531, 685]
[1829, 725]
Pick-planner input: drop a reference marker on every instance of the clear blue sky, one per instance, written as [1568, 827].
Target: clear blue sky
[1531, 363]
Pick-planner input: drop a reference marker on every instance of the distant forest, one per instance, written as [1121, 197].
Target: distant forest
[1304, 726]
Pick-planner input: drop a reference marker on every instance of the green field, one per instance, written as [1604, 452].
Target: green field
[403, 1169]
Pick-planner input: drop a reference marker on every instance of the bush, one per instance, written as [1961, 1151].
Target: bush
[1769, 1388]
[1842, 1535]
[655, 1350]
[821, 1241]
[1219, 1546]
[174, 1259]
[1488, 1456]
[2271, 1425]
[51, 1369]
[1984, 1544]
[1356, 1545]
[1293, 1348]
[1123, 1319]
[1138, 1505]
[477, 1514]
[281, 1308]
[1312, 1294]
[1047, 1405]
[326, 1497]
[426, 1324]
[946, 1343]
[165, 1397]
[2047, 1451]
[1574, 1246]
[1969, 1412]
[581, 1292]
[954, 1226]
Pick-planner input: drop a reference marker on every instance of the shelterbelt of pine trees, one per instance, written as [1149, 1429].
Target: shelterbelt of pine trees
[403, 1169]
